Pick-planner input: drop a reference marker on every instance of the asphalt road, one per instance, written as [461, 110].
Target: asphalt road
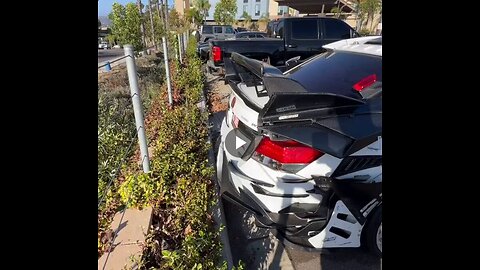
[106, 55]
[333, 259]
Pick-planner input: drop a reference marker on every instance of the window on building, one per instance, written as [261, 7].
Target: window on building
[257, 10]
[245, 8]
[257, 0]
[282, 10]
[245, 1]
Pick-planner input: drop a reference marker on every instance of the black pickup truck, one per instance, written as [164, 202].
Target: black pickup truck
[290, 38]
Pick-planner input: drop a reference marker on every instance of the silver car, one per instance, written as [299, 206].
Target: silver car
[216, 32]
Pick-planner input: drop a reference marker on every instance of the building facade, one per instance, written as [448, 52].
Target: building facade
[255, 8]
[181, 6]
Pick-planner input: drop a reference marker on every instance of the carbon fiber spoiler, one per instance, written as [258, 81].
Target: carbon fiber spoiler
[334, 124]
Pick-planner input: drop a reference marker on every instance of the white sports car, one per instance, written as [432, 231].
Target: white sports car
[302, 149]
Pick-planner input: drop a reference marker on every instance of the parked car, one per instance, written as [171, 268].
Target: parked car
[241, 29]
[302, 149]
[249, 35]
[219, 32]
[292, 37]
[104, 45]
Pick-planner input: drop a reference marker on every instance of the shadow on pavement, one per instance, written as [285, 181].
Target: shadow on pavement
[256, 247]
[333, 259]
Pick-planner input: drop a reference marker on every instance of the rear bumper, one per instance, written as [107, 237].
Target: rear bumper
[245, 198]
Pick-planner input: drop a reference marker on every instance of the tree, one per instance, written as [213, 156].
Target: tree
[125, 25]
[337, 11]
[265, 18]
[202, 6]
[247, 19]
[369, 8]
[142, 26]
[152, 24]
[263, 21]
[194, 16]
[175, 20]
[225, 12]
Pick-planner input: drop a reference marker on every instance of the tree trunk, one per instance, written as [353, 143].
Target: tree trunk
[159, 13]
[167, 26]
[371, 22]
[150, 11]
[142, 26]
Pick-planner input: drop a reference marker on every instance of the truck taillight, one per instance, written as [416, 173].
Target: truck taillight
[286, 152]
[216, 53]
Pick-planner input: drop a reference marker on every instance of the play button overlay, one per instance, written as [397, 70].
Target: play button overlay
[237, 143]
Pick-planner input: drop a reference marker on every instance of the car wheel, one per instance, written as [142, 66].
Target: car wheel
[373, 233]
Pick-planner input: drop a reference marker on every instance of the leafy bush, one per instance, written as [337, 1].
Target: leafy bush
[179, 185]
[117, 135]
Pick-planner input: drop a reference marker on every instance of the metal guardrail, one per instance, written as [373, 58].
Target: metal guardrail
[113, 61]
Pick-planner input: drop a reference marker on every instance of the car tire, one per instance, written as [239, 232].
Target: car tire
[373, 232]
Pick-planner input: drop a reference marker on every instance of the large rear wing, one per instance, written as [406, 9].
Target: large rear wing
[335, 124]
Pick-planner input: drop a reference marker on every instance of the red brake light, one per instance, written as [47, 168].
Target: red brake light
[287, 151]
[217, 53]
[365, 82]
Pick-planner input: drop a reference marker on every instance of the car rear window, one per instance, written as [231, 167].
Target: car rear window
[336, 72]
[207, 30]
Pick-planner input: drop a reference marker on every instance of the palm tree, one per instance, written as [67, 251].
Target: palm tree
[203, 6]
[247, 19]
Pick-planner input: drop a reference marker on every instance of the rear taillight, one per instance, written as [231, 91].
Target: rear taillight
[365, 82]
[216, 53]
[286, 152]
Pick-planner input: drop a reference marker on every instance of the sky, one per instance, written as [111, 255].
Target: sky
[105, 6]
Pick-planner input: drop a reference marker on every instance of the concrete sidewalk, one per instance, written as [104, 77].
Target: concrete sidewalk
[131, 234]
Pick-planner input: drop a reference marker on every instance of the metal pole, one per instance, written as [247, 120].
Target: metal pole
[137, 106]
[167, 70]
[180, 46]
[185, 40]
